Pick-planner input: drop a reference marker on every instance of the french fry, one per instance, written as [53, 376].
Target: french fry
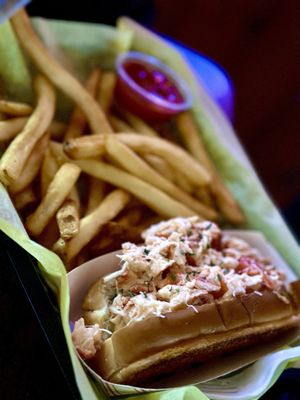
[139, 125]
[119, 125]
[48, 171]
[57, 74]
[58, 152]
[9, 128]
[160, 165]
[32, 166]
[60, 248]
[182, 182]
[93, 81]
[68, 214]
[25, 198]
[203, 195]
[191, 137]
[179, 159]
[76, 128]
[192, 140]
[95, 195]
[226, 203]
[149, 195]
[90, 225]
[57, 192]
[78, 122]
[71, 206]
[60, 158]
[17, 153]
[88, 146]
[75, 198]
[67, 218]
[106, 90]
[138, 167]
[55, 158]
[148, 163]
[173, 154]
[15, 109]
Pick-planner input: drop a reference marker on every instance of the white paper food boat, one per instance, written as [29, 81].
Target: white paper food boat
[210, 377]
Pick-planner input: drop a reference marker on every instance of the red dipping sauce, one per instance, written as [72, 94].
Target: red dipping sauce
[149, 88]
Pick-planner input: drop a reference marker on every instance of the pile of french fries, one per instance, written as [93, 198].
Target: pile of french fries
[85, 186]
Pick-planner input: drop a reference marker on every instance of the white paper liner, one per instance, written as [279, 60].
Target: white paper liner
[82, 277]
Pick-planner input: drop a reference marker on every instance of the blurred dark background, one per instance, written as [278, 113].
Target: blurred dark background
[258, 43]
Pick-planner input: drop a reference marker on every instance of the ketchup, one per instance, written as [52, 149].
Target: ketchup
[149, 89]
[154, 81]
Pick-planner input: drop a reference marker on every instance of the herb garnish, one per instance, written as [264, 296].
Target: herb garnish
[146, 251]
[173, 277]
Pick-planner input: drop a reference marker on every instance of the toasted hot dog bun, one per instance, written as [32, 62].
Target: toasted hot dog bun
[188, 294]
[143, 350]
